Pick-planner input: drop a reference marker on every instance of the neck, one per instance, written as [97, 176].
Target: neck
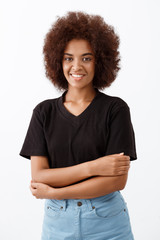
[80, 95]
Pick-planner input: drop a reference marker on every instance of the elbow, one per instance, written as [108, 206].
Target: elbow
[121, 182]
[37, 176]
[39, 164]
[121, 187]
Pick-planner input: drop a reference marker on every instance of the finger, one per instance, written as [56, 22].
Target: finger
[124, 169]
[124, 158]
[124, 163]
[120, 156]
[128, 157]
[34, 185]
[32, 190]
[121, 153]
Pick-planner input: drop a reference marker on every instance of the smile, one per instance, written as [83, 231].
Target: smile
[76, 75]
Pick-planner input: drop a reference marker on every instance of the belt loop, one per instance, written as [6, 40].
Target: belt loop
[64, 204]
[89, 204]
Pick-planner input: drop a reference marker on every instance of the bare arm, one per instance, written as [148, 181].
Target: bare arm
[57, 177]
[111, 165]
[93, 187]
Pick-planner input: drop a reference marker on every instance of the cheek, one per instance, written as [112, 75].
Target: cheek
[65, 68]
[91, 68]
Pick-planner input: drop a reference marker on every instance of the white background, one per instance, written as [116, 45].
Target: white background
[23, 25]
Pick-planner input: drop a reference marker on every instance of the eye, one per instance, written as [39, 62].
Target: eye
[86, 59]
[68, 59]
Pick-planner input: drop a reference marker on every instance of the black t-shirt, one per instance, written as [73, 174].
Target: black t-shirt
[103, 128]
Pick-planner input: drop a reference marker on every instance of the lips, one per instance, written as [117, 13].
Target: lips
[77, 77]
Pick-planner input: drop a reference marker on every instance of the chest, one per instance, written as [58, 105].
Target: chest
[76, 143]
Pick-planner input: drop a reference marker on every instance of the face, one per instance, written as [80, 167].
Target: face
[78, 63]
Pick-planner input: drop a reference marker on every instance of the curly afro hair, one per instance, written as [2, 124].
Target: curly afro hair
[102, 38]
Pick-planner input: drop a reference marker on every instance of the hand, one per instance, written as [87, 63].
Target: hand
[112, 165]
[41, 190]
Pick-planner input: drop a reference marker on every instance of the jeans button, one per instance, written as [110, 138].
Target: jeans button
[79, 203]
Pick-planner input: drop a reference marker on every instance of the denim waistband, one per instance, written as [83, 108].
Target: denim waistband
[64, 203]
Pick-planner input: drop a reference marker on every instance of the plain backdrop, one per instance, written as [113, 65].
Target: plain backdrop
[23, 25]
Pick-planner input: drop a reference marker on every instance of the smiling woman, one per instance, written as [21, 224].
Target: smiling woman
[81, 143]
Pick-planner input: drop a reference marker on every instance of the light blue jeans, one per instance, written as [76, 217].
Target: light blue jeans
[100, 218]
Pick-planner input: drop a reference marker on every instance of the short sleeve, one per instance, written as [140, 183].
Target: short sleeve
[34, 143]
[121, 137]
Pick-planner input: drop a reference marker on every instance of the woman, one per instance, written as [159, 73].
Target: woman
[81, 143]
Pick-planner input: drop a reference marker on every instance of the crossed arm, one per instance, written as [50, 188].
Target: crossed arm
[86, 180]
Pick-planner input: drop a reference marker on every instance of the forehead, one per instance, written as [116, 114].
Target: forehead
[78, 46]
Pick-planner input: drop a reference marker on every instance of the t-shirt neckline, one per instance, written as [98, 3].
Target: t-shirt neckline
[77, 119]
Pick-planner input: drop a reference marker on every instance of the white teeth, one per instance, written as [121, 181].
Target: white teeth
[77, 75]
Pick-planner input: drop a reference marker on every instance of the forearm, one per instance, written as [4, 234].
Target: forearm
[60, 177]
[90, 188]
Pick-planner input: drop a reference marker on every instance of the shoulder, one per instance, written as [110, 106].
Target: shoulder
[114, 103]
[46, 106]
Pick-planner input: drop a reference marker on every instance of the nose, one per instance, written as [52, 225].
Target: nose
[76, 65]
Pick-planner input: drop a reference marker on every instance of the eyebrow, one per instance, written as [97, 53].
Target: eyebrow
[82, 54]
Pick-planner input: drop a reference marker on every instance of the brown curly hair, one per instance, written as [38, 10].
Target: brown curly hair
[102, 38]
